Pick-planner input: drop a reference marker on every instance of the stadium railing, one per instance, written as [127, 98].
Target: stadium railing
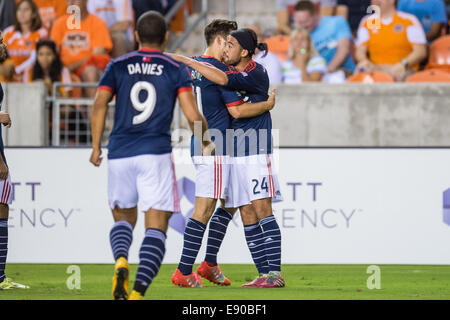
[71, 127]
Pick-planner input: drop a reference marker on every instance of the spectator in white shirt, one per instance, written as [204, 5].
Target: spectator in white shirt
[269, 61]
[118, 15]
[304, 64]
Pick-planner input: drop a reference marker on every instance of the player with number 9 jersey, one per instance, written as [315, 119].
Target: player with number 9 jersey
[146, 84]
[141, 174]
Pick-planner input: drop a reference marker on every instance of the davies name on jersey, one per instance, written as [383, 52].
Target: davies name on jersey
[145, 68]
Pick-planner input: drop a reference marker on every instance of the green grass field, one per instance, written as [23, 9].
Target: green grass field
[48, 282]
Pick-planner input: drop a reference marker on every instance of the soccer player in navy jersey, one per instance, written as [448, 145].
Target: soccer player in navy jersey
[212, 177]
[5, 189]
[146, 84]
[253, 178]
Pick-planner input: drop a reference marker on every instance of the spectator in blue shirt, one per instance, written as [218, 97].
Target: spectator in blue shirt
[431, 14]
[331, 36]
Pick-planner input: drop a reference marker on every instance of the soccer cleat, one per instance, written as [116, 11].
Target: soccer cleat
[136, 296]
[273, 281]
[256, 283]
[120, 288]
[213, 274]
[190, 281]
[8, 284]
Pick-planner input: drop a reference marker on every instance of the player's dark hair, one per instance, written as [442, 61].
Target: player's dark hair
[305, 5]
[219, 27]
[151, 28]
[248, 40]
[56, 67]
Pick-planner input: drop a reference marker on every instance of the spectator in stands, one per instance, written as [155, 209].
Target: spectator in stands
[331, 36]
[83, 50]
[285, 12]
[431, 14]
[21, 39]
[269, 61]
[49, 67]
[7, 9]
[396, 47]
[118, 15]
[50, 10]
[353, 11]
[304, 63]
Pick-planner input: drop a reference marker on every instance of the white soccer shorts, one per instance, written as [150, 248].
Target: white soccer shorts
[147, 181]
[212, 176]
[252, 178]
[6, 191]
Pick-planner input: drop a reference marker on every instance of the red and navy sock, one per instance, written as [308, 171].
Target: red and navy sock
[217, 229]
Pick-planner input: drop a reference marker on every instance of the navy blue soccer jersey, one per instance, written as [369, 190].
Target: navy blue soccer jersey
[253, 84]
[213, 100]
[146, 84]
[2, 148]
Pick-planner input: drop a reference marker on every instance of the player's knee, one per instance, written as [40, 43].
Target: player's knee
[4, 211]
[248, 215]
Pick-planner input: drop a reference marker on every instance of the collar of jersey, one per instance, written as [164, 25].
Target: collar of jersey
[208, 57]
[149, 50]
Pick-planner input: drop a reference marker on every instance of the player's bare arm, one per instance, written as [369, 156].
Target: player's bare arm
[209, 72]
[5, 119]
[98, 117]
[190, 110]
[249, 110]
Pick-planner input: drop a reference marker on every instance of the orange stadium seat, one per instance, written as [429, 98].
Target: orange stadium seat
[279, 46]
[370, 77]
[429, 76]
[439, 57]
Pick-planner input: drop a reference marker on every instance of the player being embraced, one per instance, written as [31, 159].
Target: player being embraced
[212, 177]
[6, 194]
[253, 177]
[146, 84]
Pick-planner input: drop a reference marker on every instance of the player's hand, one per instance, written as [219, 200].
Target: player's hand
[208, 148]
[4, 171]
[272, 99]
[5, 119]
[96, 158]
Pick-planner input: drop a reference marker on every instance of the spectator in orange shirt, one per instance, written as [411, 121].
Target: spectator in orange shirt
[50, 10]
[21, 38]
[396, 46]
[83, 48]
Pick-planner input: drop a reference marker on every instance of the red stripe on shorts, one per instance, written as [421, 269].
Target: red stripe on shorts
[215, 178]
[3, 191]
[221, 177]
[176, 198]
[269, 167]
[8, 193]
